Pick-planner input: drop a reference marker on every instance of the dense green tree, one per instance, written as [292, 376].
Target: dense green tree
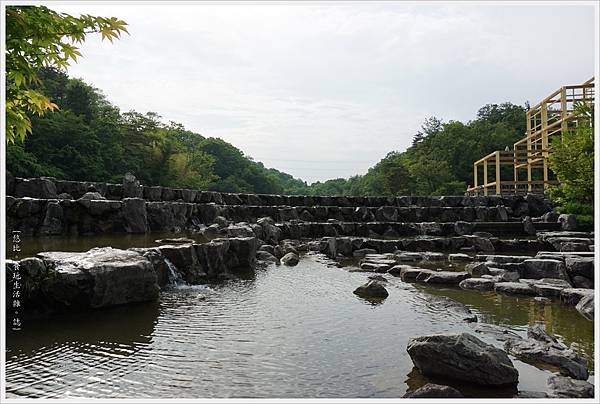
[38, 37]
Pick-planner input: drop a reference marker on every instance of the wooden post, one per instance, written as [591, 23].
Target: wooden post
[475, 175]
[563, 111]
[485, 177]
[498, 173]
[544, 134]
[528, 151]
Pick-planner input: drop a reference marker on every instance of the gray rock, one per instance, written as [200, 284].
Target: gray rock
[565, 387]
[514, 288]
[582, 266]
[266, 257]
[290, 259]
[135, 215]
[582, 282]
[409, 274]
[372, 289]
[43, 188]
[64, 195]
[363, 251]
[100, 277]
[431, 390]
[444, 277]
[568, 222]
[537, 352]
[586, 307]
[462, 357]
[477, 284]
[572, 296]
[536, 268]
[550, 217]
[221, 221]
[462, 228]
[377, 278]
[459, 257]
[132, 187]
[528, 226]
[92, 196]
[178, 240]
[477, 268]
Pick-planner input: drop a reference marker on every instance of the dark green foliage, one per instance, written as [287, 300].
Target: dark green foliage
[440, 159]
[89, 139]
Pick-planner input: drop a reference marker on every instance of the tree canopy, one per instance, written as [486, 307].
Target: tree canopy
[38, 37]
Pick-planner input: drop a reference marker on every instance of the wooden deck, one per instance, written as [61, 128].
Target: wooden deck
[554, 115]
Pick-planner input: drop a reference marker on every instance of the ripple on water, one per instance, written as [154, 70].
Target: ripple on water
[288, 332]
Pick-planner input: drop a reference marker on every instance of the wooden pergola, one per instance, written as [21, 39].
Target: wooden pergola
[529, 157]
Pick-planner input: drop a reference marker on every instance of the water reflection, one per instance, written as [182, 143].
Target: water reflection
[284, 332]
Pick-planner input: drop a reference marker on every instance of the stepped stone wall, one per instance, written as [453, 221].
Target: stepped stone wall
[46, 206]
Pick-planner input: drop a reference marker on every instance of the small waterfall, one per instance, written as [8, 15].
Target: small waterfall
[175, 278]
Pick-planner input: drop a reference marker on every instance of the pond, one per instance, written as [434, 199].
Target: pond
[284, 332]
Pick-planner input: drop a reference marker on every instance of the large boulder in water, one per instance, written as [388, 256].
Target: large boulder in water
[372, 289]
[462, 357]
[99, 277]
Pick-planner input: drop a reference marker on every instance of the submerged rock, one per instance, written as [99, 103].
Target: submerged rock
[565, 387]
[452, 307]
[462, 357]
[372, 289]
[431, 390]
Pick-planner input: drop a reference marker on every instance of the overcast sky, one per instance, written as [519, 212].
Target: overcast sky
[323, 90]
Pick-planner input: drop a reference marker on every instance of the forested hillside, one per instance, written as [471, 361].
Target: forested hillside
[90, 139]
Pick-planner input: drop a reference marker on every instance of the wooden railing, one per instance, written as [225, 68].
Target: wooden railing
[554, 115]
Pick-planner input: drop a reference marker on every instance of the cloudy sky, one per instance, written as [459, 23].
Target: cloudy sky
[322, 90]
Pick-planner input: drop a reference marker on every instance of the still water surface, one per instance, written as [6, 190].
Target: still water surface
[286, 332]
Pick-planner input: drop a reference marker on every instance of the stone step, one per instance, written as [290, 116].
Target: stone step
[34, 216]
[345, 246]
[296, 230]
[50, 188]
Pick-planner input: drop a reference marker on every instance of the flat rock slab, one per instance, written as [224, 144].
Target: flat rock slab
[409, 274]
[536, 268]
[514, 288]
[444, 277]
[477, 284]
[101, 277]
[503, 259]
[462, 357]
